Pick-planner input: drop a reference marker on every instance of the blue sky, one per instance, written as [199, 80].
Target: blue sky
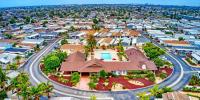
[14, 3]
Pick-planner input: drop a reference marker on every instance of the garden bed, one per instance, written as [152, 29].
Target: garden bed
[123, 81]
[166, 70]
[56, 79]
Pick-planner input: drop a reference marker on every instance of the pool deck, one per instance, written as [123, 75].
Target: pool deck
[98, 52]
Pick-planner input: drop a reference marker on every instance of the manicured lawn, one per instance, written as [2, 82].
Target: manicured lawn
[121, 80]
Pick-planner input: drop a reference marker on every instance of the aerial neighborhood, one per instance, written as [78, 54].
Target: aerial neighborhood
[112, 52]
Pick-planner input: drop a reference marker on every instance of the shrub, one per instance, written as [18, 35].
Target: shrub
[163, 75]
[152, 79]
[130, 76]
[189, 61]
[167, 89]
[194, 81]
[75, 77]
[92, 85]
[191, 89]
[3, 95]
[94, 78]
[103, 74]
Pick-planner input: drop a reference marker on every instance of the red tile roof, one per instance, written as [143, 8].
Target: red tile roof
[76, 62]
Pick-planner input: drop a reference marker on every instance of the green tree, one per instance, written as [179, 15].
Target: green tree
[18, 58]
[92, 85]
[12, 66]
[12, 20]
[51, 63]
[20, 85]
[159, 62]
[143, 96]
[37, 48]
[3, 78]
[163, 75]
[155, 91]
[103, 74]
[8, 36]
[86, 51]
[95, 21]
[152, 51]
[27, 19]
[91, 42]
[14, 44]
[61, 55]
[64, 41]
[3, 95]
[167, 89]
[44, 23]
[75, 78]
[72, 29]
[181, 39]
[35, 92]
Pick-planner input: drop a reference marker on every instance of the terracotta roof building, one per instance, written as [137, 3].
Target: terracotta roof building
[71, 48]
[175, 96]
[176, 43]
[137, 61]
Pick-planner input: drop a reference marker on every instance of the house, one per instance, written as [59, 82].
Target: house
[105, 41]
[186, 37]
[76, 62]
[21, 51]
[76, 35]
[196, 57]
[175, 96]
[6, 58]
[141, 40]
[182, 51]
[33, 36]
[191, 31]
[175, 43]
[33, 41]
[71, 48]
[126, 41]
[49, 35]
[5, 45]
[74, 41]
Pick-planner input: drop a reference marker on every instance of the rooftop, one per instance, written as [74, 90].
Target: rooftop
[77, 62]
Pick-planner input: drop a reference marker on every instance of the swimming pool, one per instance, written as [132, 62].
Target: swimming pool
[106, 56]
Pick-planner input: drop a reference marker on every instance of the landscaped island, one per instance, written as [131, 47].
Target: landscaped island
[106, 68]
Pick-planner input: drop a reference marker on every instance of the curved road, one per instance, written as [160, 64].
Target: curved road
[177, 80]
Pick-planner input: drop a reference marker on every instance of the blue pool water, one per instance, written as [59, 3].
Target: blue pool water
[106, 56]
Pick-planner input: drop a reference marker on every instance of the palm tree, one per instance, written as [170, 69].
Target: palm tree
[3, 78]
[143, 96]
[49, 89]
[91, 42]
[155, 91]
[86, 50]
[35, 92]
[18, 58]
[20, 85]
[23, 91]
[93, 97]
